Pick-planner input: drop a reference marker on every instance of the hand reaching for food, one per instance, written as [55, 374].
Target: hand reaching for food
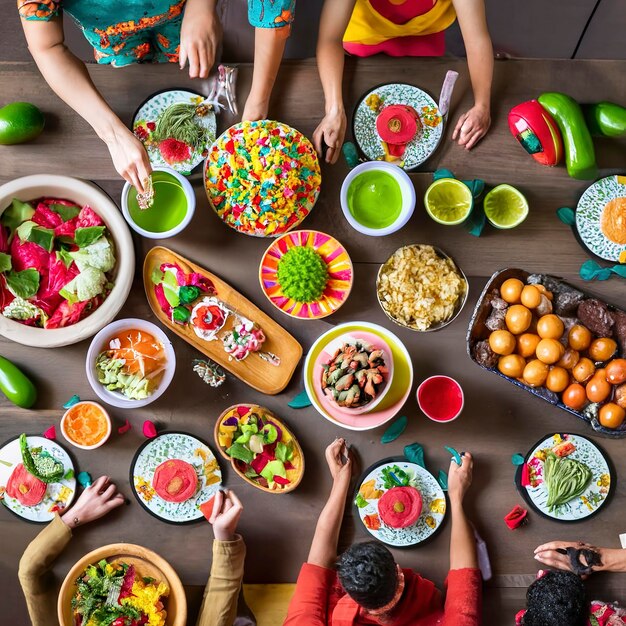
[472, 126]
[460, 477]
[94, 502]
[330, 133]
[200, 36]
[130, 158]
[339, 460]
[227, 510]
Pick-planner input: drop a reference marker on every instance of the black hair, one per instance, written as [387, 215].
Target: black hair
[368, 573]
[556, 598]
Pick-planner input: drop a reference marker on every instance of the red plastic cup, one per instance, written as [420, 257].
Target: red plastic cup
[440, 398]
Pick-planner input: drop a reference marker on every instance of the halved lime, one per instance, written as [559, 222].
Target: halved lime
[448, 201]
[505, 207]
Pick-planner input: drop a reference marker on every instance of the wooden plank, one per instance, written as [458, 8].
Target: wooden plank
[498, 420]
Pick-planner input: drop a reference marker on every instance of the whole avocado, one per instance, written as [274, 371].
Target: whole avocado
[20, 122]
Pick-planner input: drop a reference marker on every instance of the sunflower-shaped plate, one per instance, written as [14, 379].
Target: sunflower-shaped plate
[183, 158]
[338, 264]
[390, 473]
[425, 142]
[601, 218]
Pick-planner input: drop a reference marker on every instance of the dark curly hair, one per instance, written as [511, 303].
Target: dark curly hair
[556, 598]
[367, 572]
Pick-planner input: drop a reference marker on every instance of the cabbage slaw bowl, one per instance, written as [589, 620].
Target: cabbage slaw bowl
[82, 192]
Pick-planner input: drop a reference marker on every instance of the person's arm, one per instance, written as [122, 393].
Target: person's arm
[474, 124]
[464, 592]
[272, 22]
[69, 79]
[309, 604]
[33, 573]
[200, 36]
[330, 62]
[219, 605]
[613, 559]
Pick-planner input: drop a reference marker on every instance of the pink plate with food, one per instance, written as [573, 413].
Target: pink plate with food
[395, 398]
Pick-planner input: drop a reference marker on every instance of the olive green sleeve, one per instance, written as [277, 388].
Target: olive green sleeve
[34, 575]
[219, 605]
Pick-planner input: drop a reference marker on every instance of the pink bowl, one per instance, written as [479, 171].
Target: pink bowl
[440, 398]
[327, 354]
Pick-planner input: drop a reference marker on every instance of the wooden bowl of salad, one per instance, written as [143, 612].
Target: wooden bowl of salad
[260, 447]
[149, 586]
[66, 260]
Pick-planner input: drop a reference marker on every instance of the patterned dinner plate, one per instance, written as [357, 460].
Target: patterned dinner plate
[433, 502]
[594, 497]
[144, 123]
[338, 263]
[58, 495]
[174, 445]
[601, 218]
[421, 147]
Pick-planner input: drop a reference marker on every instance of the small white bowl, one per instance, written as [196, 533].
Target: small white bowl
[408, 197]
[191, 207]
[78, 445]
[100, 343]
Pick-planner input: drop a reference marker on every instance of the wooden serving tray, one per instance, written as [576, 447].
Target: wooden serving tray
[477, 331]
[298, 472]
[253, 370]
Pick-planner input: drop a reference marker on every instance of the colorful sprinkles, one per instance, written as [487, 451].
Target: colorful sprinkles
[262, 178]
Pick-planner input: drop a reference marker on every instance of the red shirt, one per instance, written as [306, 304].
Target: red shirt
[319, 600]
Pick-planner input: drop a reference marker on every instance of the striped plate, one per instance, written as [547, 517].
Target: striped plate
[340, 274]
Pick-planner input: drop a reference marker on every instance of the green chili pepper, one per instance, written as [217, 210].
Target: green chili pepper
[580, 156]
[15, 385]
[606, 119]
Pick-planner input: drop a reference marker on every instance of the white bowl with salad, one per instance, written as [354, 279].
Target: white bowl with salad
[130, 363]
[66, 260]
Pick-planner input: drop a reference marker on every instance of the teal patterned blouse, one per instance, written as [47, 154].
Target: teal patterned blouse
[143, 30]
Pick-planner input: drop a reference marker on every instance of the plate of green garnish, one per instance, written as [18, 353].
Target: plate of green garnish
[566, 477]
[177, 128]
[306, 274]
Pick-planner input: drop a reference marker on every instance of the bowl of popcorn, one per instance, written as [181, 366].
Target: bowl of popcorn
[421, 288]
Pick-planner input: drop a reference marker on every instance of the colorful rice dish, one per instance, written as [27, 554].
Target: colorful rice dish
[56, 262]
[114, 594]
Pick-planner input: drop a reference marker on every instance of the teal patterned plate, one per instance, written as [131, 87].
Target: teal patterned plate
[421, 147]
[601, 202]
[144, 123]
[433, 505]
[591, 501]
[174, 445]
[58, 495]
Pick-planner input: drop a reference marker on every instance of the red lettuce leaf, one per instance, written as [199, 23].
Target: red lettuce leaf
[67, 314]
[66, 229]
[127, 584]
[279, 480]
[162, 300]
[4, 239]
[29, 255]
[45, 217]
[88, 217]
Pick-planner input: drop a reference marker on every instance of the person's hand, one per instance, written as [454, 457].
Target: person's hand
[200, 34]
[255, 109]
[339, 461]
[96, 501]
[548, 554]
[460, 477]
[227, 510]
[130, 158]
[331, 131]
[472, 126]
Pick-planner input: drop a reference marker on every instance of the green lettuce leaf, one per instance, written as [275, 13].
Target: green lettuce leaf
[24, 284]
[240, 452]
[65, 212]
[16, 213]
[284, 452]
[360, 501]
[274, 468]
[87, 285]
[84, 237]
[98, 255]
[5, 262]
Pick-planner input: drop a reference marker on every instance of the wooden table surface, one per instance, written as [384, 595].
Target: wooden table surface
[498, 419]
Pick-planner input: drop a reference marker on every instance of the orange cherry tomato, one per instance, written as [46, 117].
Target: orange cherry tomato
[611, 415]
[550, 327]
[558, 379]
[598, 389]
[535, 373]
[574, 397]
[569, 359]
[602, 349]
[583, 370]
[518, 319]
[527, 344]
[616, 371]
[579, 337]
[549, 351]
